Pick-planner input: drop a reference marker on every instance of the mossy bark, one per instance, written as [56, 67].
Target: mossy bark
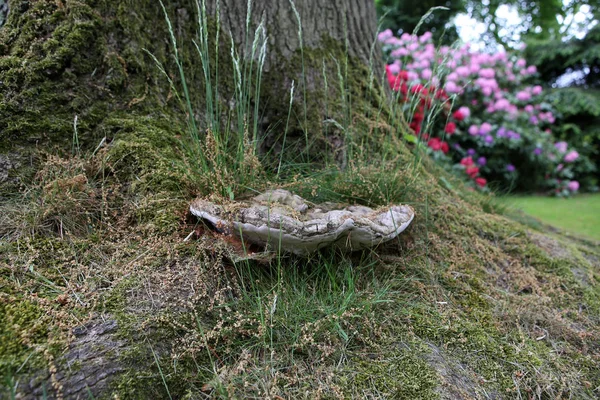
[87, 59]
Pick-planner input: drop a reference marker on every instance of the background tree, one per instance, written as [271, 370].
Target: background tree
[539, 20]
[403, 16]
[571, 70]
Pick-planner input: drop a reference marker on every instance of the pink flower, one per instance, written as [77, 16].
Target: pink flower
[401, 52]
[523, 96]
[393, 41]
[536, 90]
[529, 108]
[531, 69]
[465, 111]
[571, 156]
[426, 74]
[521, 63]
[385, 35]
[413, 76]
[451, 87]
[394, 68]
[485, 128]
[475, 68]
[573, 186]
[425, 37]
[473, 130]
[502, 104]
[561, 147]
[462, 71]
[487, 73]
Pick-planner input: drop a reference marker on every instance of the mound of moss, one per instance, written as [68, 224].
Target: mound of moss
[94, 264]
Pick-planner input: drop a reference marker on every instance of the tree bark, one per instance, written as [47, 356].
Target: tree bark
[353, 21]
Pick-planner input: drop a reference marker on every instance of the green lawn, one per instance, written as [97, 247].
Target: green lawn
[579, 215]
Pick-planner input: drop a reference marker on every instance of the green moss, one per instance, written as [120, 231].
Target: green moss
[399, 374]
[20, 332]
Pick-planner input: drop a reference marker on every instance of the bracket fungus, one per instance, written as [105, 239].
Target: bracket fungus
[283, 221]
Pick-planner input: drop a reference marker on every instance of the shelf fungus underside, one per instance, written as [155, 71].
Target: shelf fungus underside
[283, 221]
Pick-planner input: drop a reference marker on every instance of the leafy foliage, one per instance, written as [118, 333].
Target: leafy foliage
[541, 14]
[555, 58]
[579, 123]
[575, 63]
[540, 19]
[403, 16]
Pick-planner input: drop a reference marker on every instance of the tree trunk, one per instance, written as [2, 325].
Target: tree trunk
[353, 21]
[88, 59]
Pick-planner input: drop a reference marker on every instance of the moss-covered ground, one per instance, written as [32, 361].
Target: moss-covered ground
[467, 303]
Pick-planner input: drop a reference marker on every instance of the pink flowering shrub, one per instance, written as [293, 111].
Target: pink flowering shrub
[491, 126]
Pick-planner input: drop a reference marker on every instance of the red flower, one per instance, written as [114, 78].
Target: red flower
[416, 126]
[450, 128]
[445, 148]
[404, 90]
[481, 182]
[472, 171]
[458, 115]
[440, 94]
[394, 81]
[435, 144]
[418, 88]
[466, 161]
